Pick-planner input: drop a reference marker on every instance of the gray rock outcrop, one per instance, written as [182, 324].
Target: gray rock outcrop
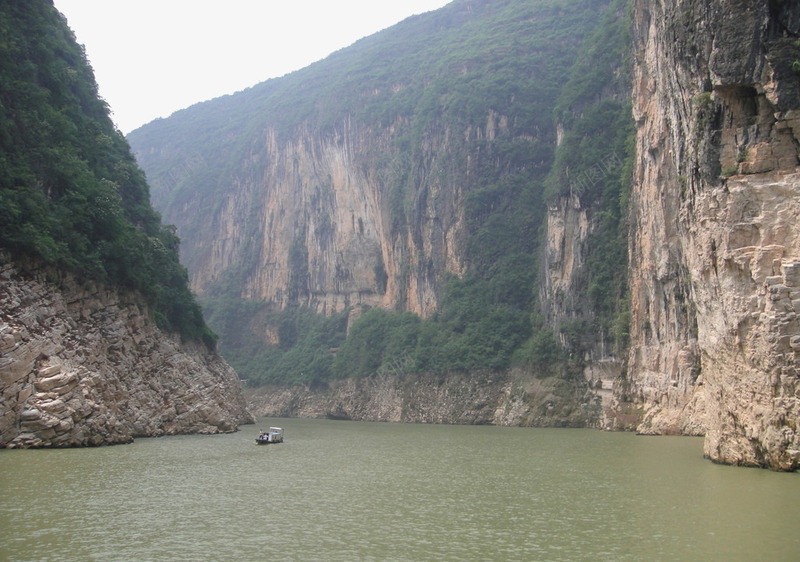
[510, 398]
[81, 364]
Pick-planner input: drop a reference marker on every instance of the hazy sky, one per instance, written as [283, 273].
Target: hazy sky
[153, 57]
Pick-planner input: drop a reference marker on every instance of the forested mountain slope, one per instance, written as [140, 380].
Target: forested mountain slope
[100, 336]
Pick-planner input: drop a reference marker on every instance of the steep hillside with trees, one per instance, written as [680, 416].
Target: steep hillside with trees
[101, 339]
[71, 193]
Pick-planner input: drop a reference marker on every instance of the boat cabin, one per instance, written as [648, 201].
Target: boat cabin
[274, 435]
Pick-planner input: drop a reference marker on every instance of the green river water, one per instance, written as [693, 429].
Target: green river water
[373, 491]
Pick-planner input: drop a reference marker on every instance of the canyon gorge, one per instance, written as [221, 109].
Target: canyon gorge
[313, 211]
[511, 213]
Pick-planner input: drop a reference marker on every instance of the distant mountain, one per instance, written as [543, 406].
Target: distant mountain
[408, 172]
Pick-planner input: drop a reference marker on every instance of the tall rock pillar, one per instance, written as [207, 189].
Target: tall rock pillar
[715, 244]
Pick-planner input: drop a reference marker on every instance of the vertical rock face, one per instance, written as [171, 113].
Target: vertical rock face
[568, 227]
[714, 241]
[84, 365]
[563, 295]
[316, 218]
[360, 179]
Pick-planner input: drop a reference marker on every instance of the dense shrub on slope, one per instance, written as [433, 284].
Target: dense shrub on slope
[71, 193]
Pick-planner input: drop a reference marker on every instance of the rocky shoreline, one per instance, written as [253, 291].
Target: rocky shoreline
[510, 398]
[85, 365]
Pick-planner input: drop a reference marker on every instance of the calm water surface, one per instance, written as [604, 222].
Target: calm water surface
[371, 491]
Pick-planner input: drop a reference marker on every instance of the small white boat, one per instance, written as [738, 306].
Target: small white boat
[274, 435]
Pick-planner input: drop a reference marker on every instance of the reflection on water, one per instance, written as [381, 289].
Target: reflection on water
[371, 491]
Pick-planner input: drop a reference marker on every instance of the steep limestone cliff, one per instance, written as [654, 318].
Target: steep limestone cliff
[401, 173]
[714, 240]
[310, 219]
[81, 364]
[333, 206]
[369, 177]
[87, 270]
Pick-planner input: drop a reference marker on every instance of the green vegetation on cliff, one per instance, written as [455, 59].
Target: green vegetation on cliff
[594, 161]
[71, 193]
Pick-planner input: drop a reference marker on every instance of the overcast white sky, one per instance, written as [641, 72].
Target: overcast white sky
[154, 57]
